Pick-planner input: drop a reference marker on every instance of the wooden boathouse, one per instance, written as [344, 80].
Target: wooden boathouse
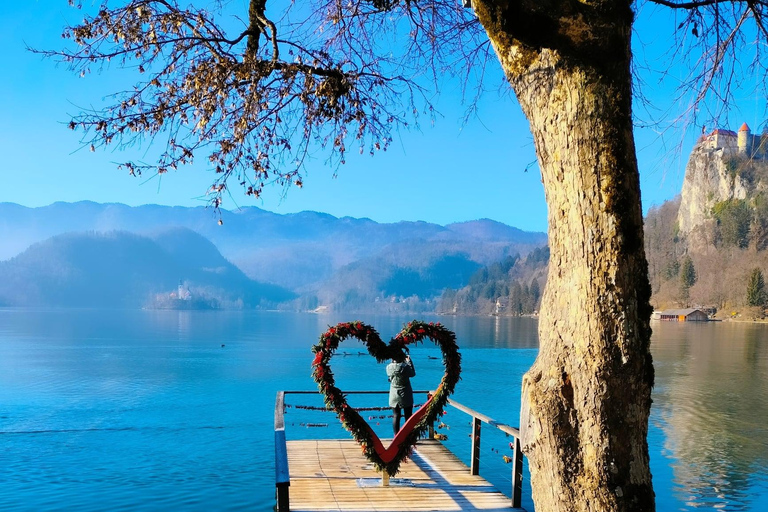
[334, 475]
[681, 315]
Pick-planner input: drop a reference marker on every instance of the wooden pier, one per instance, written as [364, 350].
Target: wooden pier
[334, 475]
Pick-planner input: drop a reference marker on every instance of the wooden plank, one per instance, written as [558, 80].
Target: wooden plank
[326, 476]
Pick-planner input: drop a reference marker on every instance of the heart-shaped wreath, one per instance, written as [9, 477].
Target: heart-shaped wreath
[386, 459]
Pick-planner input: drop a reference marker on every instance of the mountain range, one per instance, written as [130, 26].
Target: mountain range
[303, 260]
[122, 269]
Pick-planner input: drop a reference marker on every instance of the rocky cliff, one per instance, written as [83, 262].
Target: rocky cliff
[703, 246]
[711, 176]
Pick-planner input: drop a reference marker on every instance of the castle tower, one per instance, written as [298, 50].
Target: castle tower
[743, 139]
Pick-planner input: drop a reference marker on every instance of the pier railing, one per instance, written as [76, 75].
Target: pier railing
[282, 474]
[517, 455]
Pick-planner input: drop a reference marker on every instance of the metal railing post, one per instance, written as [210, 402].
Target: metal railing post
[431, 429]
[517, 475]
[475, 466]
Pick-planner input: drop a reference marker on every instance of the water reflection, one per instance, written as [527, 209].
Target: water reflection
[711, 401]
[138, 407]
[471, 332]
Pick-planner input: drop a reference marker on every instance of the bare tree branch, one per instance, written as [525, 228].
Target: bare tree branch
[255, 112]
[689, 5]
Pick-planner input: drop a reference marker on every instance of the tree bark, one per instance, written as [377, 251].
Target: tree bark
[587, 397]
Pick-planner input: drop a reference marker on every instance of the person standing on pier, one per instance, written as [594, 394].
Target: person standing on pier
[400, 390]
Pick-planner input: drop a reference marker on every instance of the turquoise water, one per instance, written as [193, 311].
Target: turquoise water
[146, 410]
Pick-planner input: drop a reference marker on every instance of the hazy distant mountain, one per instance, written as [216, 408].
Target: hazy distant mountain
[381, 285]
[490, 230]
[301, 251]
[121, 269]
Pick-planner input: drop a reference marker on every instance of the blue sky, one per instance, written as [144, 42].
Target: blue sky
[444, 173]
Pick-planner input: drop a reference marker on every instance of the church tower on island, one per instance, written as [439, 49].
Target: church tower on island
[183, 292]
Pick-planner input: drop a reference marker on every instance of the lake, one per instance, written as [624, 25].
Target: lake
[127, 410]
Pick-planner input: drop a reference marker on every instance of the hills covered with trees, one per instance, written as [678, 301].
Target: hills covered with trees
[122, 269]
[705, 246]
[511, 287]
[334, 263]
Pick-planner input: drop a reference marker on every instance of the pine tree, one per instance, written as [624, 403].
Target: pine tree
[535, 293]
[516, 299]
[687, 276]
[756, 289]
[733, 218]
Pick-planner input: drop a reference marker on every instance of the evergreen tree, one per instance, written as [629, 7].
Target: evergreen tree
[447, 301]
[687, 276]
[733, 218]
[672, 269]
[535, 293]
[488, 290]
[509, 262]
[530, 301]
[759, 228]
[479, 278]
[516, 299]
[756, 289]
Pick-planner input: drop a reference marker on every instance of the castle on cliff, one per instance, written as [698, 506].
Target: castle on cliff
[743, 142]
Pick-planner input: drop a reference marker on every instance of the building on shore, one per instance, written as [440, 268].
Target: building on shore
[681, 315]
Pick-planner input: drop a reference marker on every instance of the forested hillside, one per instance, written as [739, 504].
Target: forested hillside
[478, 267]
[121, 269]
[382, 286]
[511, 287]
[330, 263]
[707, 247]
[714, 270]
[295, 250]
[724, 209]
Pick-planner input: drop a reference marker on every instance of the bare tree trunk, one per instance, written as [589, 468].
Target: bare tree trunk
[587, 398]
